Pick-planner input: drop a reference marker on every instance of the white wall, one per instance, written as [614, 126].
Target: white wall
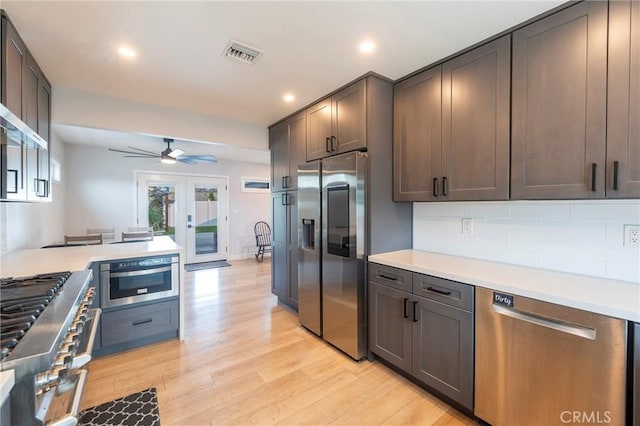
[84, 109]
[583, 237]
[32, 225]
[100, 191]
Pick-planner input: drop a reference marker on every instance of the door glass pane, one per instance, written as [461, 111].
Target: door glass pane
[206, 220]
[162, 209]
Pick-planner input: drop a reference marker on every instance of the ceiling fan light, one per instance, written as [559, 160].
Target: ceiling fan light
[168, 160]
[176, 153]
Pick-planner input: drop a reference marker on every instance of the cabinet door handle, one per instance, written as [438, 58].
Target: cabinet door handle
[327, 145]
[444, 186]
[435, 290]
[387, 277]
[144, 321]
[284, 199]
[334, 139]
[406, 308]
[415, 311]
[616, 166]
[435, 187]
[594, 166]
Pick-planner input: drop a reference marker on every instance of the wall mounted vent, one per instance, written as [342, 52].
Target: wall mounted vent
[241, 52]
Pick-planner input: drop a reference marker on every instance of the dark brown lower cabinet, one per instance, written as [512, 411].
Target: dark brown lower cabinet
[428, 337]
[284, 247]
[443, 349]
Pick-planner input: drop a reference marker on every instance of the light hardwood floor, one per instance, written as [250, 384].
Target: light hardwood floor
[246, 360]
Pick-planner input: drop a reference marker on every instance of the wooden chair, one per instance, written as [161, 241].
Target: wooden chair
[263, 239]
[107, 233]
[140, 229]
[137, 236]
[83, 239]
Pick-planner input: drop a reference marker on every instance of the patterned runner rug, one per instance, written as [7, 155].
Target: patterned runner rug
[137, 409]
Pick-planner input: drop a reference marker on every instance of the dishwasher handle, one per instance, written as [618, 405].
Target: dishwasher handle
[576, 330]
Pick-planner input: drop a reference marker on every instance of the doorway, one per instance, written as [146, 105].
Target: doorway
[192, 210]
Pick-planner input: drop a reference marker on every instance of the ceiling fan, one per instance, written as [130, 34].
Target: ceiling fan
[169, 155]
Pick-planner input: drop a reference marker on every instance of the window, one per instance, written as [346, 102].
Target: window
[255, 184]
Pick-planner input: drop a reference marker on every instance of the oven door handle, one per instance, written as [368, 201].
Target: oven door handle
[139, 272]
[71, 417]
[83, 358]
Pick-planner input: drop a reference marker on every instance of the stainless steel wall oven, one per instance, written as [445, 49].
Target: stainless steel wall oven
[130, 281]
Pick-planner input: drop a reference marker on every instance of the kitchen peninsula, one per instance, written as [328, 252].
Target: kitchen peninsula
[36, 261]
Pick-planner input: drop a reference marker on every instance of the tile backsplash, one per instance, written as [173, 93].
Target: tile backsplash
[583, 237]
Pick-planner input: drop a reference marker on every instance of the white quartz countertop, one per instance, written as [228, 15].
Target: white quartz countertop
[36, 261]
[7, 380]
[620, 299]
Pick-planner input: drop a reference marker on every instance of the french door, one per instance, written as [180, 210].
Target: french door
[192, 210]
[206, 218]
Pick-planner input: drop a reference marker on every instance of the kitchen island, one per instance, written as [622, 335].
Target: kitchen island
[74, 258]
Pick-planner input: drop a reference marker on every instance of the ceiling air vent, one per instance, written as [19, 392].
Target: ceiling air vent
[241, 52]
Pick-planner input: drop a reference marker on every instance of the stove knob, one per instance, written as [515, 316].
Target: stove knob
[72, 338]
[77, 327]
[63, 359]
[51, 376]
[67, 348]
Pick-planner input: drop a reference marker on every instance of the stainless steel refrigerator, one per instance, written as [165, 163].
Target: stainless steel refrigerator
[331, 265]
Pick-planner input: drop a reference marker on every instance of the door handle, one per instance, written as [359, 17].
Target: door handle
[435, 290]
[333, 138]
[327, 145]
[594, 166]
[576, 330]
[415, 311]
[616, 166]
[406, 308]
[435, 186]
[444, 186]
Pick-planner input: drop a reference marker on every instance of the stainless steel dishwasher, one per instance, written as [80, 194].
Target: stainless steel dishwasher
[538, 363]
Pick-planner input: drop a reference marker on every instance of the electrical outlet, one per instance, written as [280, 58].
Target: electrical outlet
[632, 235]
[467, 226]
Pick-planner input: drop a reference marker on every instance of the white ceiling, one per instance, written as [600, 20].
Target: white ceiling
[310, 48]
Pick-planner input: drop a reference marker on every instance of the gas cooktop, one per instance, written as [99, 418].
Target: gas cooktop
[22, 300]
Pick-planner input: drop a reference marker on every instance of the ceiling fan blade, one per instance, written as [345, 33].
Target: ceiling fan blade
[135, 153]
[143, 150]
[192, 159]
[141, 156]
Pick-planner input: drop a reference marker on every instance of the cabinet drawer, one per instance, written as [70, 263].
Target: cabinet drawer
[444, 291]
[134, 323]
[392, 277]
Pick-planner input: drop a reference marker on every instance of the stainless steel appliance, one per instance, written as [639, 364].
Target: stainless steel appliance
[309, 247]
[46, 338]
[539, 363]
[332, 284]
[124, 282]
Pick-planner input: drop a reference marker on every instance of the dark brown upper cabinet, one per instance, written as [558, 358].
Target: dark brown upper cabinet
[559, 105]
[24, 168]
[417, 137]
[451, 129]
[337, 124]
[475, 123]
[623, 101]
[287, 142]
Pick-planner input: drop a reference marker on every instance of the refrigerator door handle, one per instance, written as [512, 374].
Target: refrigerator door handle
[576, 330]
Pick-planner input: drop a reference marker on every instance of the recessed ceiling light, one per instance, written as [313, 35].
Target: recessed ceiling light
[127, 52]
[367, 47]
[289, 97]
